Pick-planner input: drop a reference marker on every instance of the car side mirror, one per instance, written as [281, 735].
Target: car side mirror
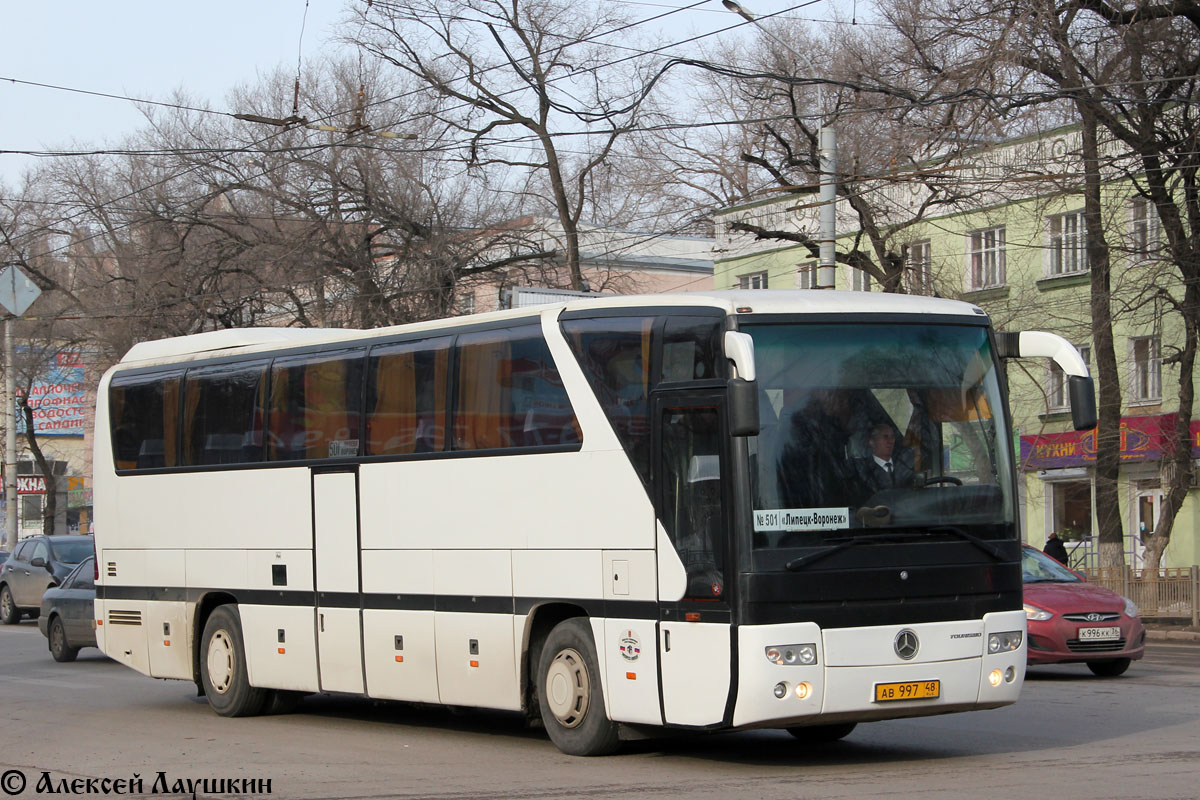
[37, 562]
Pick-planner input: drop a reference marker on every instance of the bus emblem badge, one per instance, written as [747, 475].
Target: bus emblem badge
[631, 646]
[906, 644]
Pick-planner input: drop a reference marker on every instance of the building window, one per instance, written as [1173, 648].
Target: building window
[806, 275]
[1071, 513]
[31, 509]
[918, 269]
[466, 303]
[1147, 368]
[757, 280]
[860, 280]
[987, 258]
[1143, 227]
[1058, 391]
[1068, 252]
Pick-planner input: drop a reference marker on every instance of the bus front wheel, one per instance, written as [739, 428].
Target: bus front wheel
[570, 697]
[223, 666]
[822, 734]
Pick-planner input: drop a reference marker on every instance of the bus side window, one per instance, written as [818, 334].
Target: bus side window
[510, 394]
[143, 412]
[406, 397]
[690, 349]
[614, 353]
[223, 414]
[313, 411]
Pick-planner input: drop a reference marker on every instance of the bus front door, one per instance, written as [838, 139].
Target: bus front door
[338, 580]
[694, 632]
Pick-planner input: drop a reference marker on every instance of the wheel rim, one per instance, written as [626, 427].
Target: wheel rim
[567, 688]
[220, 661]
[6, 602]
[57, 638]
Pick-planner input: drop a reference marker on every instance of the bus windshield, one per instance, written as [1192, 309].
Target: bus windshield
[893, 427]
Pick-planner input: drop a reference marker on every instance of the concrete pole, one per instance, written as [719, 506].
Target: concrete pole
[827, 266]
[10, 439]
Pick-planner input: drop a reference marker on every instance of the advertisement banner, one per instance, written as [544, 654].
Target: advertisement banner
[59, 398]
[1148, 438]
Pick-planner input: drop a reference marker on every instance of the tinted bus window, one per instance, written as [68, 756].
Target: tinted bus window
[222, 414]
[314, 406]
[615, 355]
[144, 413]
[510, 393]
[406, 397]
[691, 349]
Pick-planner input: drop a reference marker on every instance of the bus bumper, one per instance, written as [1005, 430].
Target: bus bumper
[951, 670]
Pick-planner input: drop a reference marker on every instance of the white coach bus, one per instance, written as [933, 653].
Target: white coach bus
[612, 514]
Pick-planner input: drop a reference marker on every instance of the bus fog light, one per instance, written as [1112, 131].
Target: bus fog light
[803, 690]
[1004, 642]
[1010, 674]
[792, 654]
[994, 677]
[781, 690]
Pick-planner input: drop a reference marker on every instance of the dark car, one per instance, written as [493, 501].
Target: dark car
[1073, 621]
[67, 619]
[37, 564]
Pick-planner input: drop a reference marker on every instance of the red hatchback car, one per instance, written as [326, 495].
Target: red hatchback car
[1072, 621]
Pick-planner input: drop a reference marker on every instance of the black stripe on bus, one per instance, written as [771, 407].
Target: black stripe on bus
[476, 604]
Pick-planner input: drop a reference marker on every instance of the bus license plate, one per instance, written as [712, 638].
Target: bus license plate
[1099, 634]
[913, 690]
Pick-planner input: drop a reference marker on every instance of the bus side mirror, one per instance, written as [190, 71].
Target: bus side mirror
[1083, 402]
[742, 407]
[1039, 344]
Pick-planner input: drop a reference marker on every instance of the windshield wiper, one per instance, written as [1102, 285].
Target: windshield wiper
[986, 546]
[797, 564]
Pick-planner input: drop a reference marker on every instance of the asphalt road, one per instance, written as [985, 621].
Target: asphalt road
[1070, 736]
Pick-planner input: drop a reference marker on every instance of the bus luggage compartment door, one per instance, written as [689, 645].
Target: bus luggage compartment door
[338, 581]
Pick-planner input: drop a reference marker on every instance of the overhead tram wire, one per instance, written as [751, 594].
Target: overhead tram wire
[267, 138]
[261, 141]
[345, 143]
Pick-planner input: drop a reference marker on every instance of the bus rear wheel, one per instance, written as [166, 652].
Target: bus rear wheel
[570, 697]
[223, 666]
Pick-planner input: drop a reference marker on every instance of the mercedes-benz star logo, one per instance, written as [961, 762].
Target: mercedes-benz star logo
[907, 644]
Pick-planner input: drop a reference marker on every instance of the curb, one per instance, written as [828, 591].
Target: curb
[1186, 637]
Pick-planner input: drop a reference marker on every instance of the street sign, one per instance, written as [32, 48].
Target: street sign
[17, 291]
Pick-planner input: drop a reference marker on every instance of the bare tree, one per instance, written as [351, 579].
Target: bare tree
[513, 78]
[1129, 74]
[901, 134]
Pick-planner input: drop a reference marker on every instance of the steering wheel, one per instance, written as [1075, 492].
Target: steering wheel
[943, 479]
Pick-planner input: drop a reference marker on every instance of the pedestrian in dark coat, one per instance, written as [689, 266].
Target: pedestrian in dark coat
[1056, 549]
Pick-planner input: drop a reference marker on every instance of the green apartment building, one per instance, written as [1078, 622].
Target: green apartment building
[1013, 244]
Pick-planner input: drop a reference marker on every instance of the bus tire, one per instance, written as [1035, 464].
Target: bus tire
[822, 734]
[570, 697]
[223, 666]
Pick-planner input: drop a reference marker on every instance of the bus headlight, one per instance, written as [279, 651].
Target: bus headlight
[1004, 642]
[791, 654]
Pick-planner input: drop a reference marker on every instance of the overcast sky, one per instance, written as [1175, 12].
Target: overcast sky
[136, 48]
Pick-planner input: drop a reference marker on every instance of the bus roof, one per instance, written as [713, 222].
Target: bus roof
[740, 302]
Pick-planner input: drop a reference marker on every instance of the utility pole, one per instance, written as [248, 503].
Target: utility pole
[826, 164]
[17, 293]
